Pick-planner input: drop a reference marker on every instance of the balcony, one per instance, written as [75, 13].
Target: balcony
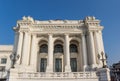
[58, 75]
[3, 74]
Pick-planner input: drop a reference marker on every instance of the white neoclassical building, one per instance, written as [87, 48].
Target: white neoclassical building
[58, 50]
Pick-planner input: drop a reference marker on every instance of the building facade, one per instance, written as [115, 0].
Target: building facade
[115, 72]
[5, 51]
[58, 50]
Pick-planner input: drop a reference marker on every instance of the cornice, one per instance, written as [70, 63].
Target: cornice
[30, 21]
[7, 51]
[28, 24]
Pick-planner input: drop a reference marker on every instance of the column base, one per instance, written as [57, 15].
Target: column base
[100, 65]
[93, 67]
[85, 68]
[104, 74]
[67, 68]
[49, 69]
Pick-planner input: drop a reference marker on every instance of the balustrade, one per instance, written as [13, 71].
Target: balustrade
[63, 75]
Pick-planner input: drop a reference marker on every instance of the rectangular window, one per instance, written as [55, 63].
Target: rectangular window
[43, 64]
[73, 63]
[58, 65]
[3, 60]
[2, 68]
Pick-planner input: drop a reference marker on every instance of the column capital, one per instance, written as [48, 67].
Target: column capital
[66, 34]
[90, 31]
[33, 34]
[50, 34]
[19, 31]
[99, 32]
[83, 34]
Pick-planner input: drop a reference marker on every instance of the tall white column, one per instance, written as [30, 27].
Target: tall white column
[19, 48]
[98, 48]
[26, 46]
[84, 51]
[67, 54]
[29, 48]
[101, 41]
[102, 46]
[33, 60]
[92, 50]
[50, 54]
[15, 42]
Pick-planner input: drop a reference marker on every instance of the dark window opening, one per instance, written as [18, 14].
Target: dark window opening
[73, 63]
[58, 48]
[58, 65]
[44, 48]
[43, 64]
[73, 48]
[3, 60]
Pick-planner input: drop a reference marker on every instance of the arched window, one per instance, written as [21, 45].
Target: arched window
[58, 48]
[73, 48]
[44, 48]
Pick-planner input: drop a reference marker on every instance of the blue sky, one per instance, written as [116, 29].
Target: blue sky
[108, 11]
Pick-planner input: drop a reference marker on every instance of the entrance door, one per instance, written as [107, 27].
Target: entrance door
[58, 65]
[43, 64]
[73, 63]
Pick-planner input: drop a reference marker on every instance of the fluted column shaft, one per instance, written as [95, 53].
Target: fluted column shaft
[67, 54]
[26, 47]
[84, 51]
[102, 46]
[98, 48]
[29, 48]
[50, 54]
[16, 42]
[19, 48]
[101, 41]
[33, 61]
[92, 50]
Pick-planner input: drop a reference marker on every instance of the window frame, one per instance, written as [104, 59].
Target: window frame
[73, 64]
[43, 64]
[58, 48]
[43, 48]
[73, 48]
[3, 60]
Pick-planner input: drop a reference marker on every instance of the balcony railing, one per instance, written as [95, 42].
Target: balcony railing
[58, 75]
[3, 75]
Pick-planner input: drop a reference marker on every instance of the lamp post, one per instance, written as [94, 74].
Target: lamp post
[14, 57]
[103, 59]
